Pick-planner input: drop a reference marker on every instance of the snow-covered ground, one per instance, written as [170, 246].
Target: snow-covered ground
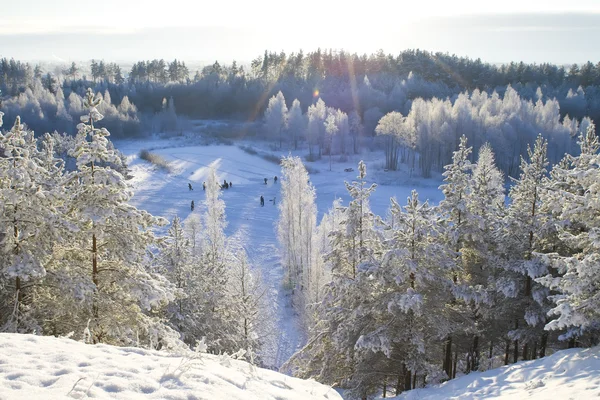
[567, 375]
[250, 225]
[48, 368]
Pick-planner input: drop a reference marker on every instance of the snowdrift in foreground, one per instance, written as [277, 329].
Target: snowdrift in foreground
[36, 367]
[568, 374]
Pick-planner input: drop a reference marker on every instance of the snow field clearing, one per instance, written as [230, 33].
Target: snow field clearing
[42, 367]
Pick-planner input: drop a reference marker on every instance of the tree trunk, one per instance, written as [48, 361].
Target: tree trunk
[19, 296]
[491, 355]
[18, 288]
[407, 380]
[94, 261]
[95, 313]
[454, 365]
[448, 358]
[414, 381]
[475, 362]
[543, 344]
[516, 349]
[526, 352]
[384, 389]
[507, 352]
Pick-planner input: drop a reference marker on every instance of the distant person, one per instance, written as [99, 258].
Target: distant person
[273, 200]
[203, 185]
[226, 185]
[262, 201]
[192, 206]
[265, 181]
[275, 179]
[190, 186]
[230, 184]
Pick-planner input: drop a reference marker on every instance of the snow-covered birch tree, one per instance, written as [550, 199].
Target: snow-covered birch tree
[276, 116]
[296, 226]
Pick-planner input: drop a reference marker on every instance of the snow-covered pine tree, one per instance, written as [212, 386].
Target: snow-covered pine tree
[29, 225]
[573, 199]
[193, 231]
[454, 213]
[409, 289]
[457, 189]
[355, 241]
[525, 304]
[106, 258]
[248, 298]
[175, 262]
[479, 251]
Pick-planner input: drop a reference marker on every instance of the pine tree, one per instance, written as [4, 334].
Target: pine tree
[455, 215]
[116, 291]
[525, 305]
[175, 262]
[410, 287]
[480, 250]
[353, 243]
[29, 225]
[573, 198]
[248, 299]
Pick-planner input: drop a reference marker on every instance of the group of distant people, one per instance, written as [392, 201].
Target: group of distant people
[227, 185]
[262, 199]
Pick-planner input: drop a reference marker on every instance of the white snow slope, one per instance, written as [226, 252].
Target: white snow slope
[48, 368]
[572, 374]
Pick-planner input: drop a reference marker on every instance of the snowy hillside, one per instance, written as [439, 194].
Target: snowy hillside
[36, 367]
[568, 374]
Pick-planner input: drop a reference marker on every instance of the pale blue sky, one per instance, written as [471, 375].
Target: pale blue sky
[121, 30]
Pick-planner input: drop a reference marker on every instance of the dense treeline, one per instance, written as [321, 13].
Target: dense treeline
[428, 292]
[334, 73]
[438, 97]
